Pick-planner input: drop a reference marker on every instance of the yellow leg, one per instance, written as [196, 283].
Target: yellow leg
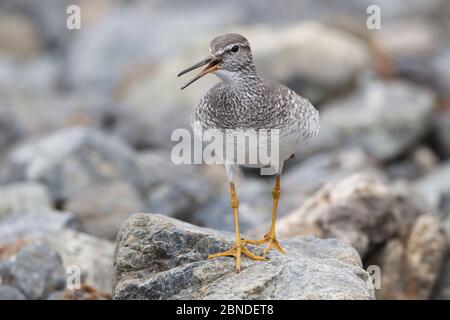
[270, 237]
[238, 247]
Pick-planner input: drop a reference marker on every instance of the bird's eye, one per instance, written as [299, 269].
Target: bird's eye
[235, 49]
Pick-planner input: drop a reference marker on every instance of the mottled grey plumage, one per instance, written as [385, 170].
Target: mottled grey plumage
[243, 100]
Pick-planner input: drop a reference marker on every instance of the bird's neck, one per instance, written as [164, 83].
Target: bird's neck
[246, 81]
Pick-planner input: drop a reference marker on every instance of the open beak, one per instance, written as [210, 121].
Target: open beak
[212, 65]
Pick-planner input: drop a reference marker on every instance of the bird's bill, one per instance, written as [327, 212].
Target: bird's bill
[212, 65]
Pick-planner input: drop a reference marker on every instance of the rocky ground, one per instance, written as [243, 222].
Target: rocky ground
[85, 123]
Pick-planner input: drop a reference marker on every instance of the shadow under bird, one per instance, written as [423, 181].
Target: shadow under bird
[244, 100]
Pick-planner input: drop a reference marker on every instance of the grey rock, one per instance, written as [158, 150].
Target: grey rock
[408, 46]
[435, 186]
[70, 160]
[255, 200]
[149, 126]
[92, 63]
[440, 67]
[8, 292]
[101, 210]
[418, 163]
[157, 168]
[26, 225]
[411, 265]
[62, 110]
[179, 199]
[36, 271]
[442, 133]
[368, 120]
[283, 11]
[23, 197]
[306, 177]
[445, 209]
[48, 18]
[32, 77]
[358, 209]
[442, 291]
[92, 255]
[302, 45]
[90, 60]
[161, 258]
[11, 130]
[178, 190]
[407, 37]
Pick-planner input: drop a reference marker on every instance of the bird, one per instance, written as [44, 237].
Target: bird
[243, 100]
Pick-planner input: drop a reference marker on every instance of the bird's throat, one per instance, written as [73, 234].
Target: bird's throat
[241, 81]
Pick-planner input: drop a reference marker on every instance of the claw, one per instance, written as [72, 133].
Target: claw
[236, 252]
[271, 241]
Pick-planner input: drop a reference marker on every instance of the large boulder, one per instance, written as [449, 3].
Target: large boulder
[162, 258]
[70, 160]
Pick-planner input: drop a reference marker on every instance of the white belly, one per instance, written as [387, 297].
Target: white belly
[251, 149]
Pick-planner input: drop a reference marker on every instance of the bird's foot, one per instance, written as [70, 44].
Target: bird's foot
[236, 251]
[271, 241]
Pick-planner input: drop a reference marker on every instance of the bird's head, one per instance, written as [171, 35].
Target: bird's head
[230, 59]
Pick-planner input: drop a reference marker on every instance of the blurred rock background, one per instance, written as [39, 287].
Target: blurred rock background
[86, 117]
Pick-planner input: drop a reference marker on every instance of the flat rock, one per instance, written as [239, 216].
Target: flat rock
[162, 258]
